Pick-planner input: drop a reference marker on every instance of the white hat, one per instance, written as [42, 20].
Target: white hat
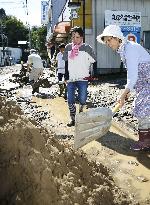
[33, 51]
[111, 30]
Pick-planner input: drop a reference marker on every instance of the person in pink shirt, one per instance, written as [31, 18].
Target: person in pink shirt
[78, 58]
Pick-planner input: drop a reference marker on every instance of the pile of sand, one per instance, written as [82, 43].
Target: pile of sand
[36, 169]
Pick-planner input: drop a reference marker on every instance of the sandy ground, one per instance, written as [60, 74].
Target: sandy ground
[38, 164]
[131, 170]
[36, 168]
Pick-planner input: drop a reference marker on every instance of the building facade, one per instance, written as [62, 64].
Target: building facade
[133, 16]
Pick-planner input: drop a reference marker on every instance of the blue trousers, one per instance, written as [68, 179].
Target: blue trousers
[81, 87]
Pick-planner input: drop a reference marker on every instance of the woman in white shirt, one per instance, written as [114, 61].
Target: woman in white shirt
[78, 58]
[61, 70]
[137, 61]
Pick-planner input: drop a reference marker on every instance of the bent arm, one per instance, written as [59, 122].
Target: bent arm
[132, 62]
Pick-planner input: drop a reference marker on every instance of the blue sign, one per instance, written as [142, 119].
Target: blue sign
[131, 32]
[130, 29]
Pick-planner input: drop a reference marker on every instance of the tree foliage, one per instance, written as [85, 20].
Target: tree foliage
[2, 14]
[15, 31]
[38, 39]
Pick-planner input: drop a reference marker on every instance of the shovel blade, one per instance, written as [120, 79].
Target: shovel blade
[91, 125]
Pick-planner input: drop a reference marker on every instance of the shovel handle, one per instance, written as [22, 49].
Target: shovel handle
[116, 108]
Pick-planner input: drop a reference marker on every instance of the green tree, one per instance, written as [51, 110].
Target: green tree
[15, 31]
[2, 14]
[38, 39]
[3, 38]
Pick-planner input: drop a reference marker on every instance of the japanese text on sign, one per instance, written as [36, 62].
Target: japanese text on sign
[123, 18]
[44, 12]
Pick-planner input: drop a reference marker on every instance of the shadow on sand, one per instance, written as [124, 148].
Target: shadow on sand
[122, 145]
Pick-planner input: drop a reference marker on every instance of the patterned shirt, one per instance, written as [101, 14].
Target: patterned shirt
[132, 54]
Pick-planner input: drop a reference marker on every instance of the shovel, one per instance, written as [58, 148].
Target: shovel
[93, 124]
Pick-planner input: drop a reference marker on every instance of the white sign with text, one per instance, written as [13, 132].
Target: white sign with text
[44, 12]
[123, 18]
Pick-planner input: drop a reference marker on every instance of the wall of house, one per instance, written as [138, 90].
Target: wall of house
[108, 60]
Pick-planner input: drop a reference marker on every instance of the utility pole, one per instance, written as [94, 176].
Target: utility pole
[29, 37]
[27, 13]
[2, 37]
[83, 1]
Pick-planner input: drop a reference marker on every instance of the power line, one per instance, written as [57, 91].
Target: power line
[13, 6]
[10, 2]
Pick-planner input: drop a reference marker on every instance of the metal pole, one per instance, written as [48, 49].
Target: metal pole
[7, 40]
[2, 36]
[28, 24]
[29, 38]
[83, 20]
[3, 44]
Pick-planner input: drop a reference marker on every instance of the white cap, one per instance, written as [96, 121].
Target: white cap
[32, 51]
[111, 30]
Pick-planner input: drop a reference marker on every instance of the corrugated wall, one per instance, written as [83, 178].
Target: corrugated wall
[108, 59]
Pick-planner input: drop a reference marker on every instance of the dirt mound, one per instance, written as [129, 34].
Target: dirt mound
[37, 169]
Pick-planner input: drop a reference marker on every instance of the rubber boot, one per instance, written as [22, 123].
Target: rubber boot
[65, 94]
[35, 87]
[61, 89]
[81, 107]
[144, 140]
[72, 109]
